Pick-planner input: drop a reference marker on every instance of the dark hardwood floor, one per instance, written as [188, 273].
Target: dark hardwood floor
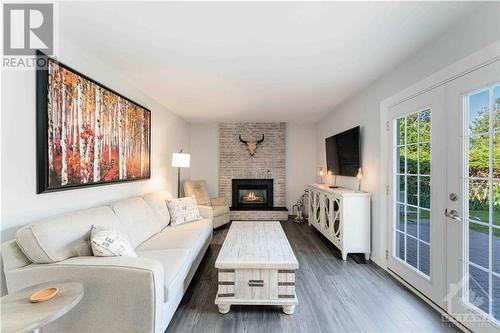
[334, 296]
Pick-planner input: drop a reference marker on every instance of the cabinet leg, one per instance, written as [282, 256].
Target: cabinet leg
[367, 256]
[344, 255]
[289, 309]
[224, 308]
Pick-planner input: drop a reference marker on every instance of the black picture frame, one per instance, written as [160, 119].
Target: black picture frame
[42, 159]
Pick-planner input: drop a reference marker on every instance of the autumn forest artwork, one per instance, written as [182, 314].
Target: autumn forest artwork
[93, 135]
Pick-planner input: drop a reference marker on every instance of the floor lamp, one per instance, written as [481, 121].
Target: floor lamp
[180, 160]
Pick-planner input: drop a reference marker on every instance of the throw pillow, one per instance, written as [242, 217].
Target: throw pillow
[183, 210]
[109, 243]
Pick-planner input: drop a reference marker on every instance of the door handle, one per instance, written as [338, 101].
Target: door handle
[452, 214]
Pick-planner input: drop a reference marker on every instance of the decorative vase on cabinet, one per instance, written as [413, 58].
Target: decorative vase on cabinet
[342, 216]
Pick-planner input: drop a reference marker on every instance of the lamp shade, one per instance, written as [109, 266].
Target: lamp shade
[181, 160]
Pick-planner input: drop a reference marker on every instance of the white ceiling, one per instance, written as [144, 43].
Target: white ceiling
[260, 61]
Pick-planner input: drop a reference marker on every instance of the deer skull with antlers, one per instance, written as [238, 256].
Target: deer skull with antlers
[252, 145]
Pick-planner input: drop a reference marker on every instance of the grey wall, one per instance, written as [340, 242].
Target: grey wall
[204, 140]
[468, 35]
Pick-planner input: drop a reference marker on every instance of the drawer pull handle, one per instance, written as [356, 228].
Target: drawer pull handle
[256, 283]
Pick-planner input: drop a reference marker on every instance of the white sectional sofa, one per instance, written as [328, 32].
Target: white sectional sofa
[122, 294]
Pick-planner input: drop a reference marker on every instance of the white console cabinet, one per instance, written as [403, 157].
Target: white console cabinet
[341, 215]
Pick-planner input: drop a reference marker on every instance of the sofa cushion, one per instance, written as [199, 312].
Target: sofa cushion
[176, 264]
[188, 235]
[157, 201]
[57, 238]
[137, 219]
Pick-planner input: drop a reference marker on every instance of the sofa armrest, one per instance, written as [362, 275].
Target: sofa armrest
[121, 294]
[219, 201]
[206, 211]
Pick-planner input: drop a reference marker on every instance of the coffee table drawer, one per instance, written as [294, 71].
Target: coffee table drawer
[256, 284]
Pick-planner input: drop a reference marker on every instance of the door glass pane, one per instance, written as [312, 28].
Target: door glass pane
[400, 216]
[400, 186]
[411, 221]
[496, 107]
[424, 226]
[412, 190]
[482, 228]
[400, 245]
[424, 151]
[424, 257]
[400, 130]
[479, 113]
[495, 250]
[479, 243]
[411, 248]
[479, 288]
[425, 192]
[412, 159]
[411, 129]
[425, 126]
[479, 200]
[496, 203]
[496, 297]
[496, 155]
[401, 162]
[479, 162]
[412, 195]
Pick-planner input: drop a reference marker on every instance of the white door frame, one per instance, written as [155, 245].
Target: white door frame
[481, 58]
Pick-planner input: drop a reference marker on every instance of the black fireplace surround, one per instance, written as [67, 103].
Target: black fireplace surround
[252, 194]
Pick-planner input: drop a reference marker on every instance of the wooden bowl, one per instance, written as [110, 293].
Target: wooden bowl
[43, 295]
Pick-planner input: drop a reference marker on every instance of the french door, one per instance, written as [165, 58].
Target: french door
[444, 202]
[473, 199]
[417, 180]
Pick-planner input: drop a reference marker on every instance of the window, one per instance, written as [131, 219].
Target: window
[412, 179]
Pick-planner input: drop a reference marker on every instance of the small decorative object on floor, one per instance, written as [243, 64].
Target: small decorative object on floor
[19, 314]
[300, 208]
[297, 211]
[43, 295]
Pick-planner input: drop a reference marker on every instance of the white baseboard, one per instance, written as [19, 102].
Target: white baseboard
[441, 311]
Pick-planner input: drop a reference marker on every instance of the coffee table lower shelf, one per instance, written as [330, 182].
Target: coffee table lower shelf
[224, 303]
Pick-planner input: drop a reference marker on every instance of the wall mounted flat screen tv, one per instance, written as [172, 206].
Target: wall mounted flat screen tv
[343, 153]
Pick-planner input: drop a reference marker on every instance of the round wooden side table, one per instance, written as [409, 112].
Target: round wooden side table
[20, 315]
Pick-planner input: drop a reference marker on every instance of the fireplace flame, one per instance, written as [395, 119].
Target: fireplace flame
[252, 197]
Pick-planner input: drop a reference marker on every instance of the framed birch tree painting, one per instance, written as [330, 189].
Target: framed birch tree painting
[87, 134]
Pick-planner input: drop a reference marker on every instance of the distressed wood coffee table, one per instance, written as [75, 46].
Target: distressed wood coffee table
[256, 266]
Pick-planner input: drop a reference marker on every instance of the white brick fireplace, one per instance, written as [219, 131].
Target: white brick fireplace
[268, 162]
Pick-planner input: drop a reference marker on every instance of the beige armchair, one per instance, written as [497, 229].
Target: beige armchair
[216, 209]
